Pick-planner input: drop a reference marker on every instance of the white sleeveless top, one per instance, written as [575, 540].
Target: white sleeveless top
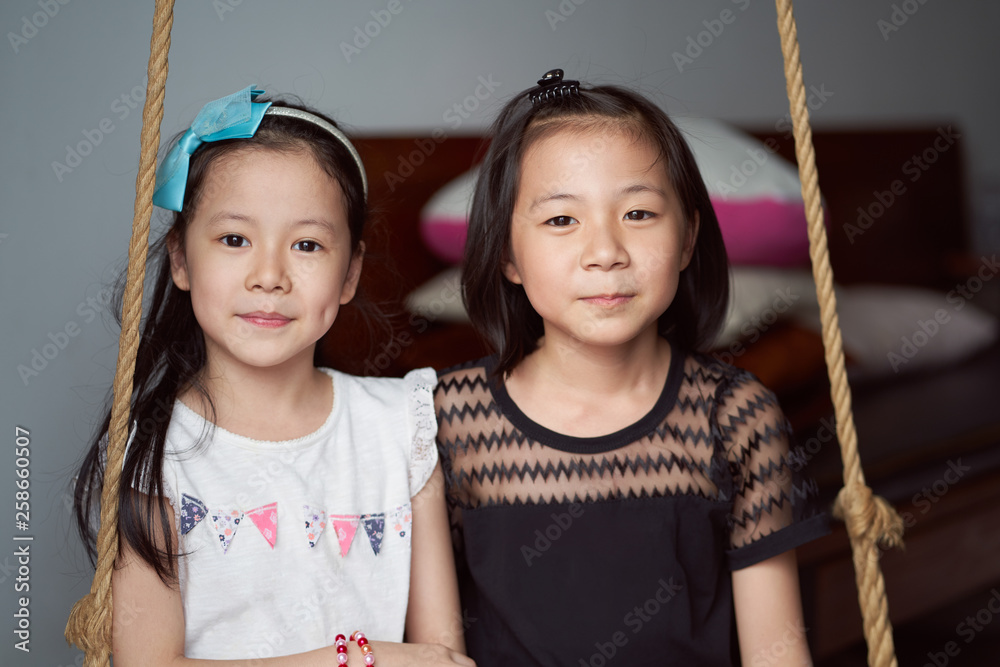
[286, 544]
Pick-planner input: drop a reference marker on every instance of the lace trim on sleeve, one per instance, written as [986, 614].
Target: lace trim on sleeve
[774, 497]
[423, 425]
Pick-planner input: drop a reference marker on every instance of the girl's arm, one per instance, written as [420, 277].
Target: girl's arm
[148, 629]
[433, 615]
[769, 613]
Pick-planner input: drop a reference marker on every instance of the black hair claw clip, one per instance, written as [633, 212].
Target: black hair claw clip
[552, 86]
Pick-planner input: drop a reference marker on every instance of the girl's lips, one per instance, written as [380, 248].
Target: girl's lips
[266, 320]
[608, 299]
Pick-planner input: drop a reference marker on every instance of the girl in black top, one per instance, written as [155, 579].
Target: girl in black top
[616, 497]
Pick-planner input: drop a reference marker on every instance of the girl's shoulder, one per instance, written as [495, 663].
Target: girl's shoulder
[742, 409]
[478, 369]
[464, 382]
[718, 377]
[408, 400]
[710, 368]
[411, 399]
[732, 398]
[417, 383]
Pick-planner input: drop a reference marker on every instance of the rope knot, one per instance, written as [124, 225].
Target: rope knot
[868, 517]
[87, 628]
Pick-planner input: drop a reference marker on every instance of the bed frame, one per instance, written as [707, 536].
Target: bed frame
[911, 429]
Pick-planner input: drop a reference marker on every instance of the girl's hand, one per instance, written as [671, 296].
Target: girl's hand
[389, 654]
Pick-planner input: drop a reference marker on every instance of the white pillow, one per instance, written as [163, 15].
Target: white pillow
[889, 330]
[440, 298]
[759, 297]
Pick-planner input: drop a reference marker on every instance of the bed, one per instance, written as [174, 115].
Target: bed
[928, 422]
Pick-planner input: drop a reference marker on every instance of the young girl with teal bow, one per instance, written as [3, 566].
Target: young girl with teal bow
[270, 508]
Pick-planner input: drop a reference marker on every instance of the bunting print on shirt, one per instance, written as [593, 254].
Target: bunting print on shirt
[374, 527]
[315, 524]
[226, 521]
[192, 513]
[266, 520]
[346, 527]
[400, 520]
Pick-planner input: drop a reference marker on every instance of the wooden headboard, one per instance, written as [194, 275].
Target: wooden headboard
[914, 233]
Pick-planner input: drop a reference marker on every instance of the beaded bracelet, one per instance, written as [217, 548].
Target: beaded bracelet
[357, 636]
[341, 643]
[366, 649]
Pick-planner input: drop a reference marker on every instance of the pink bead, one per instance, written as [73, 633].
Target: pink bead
[342, 658]
[370, 659]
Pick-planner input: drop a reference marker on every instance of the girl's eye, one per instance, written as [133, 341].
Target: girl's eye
[234, 241]
[307, 246]
[638, 215]
[561, 221]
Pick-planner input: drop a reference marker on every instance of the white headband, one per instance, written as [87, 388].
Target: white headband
[316, 120]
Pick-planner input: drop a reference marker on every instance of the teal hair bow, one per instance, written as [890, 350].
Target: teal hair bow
[235, 116]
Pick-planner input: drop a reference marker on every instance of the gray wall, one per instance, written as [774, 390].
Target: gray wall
[63, 236]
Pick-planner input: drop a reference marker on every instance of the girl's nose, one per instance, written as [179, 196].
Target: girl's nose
[604, 248]
[268, 272]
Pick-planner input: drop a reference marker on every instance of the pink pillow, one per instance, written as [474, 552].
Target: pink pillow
[444, 219]
[765, 231]
[755, 193]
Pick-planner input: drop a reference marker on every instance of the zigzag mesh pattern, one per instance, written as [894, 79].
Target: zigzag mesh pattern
[724, 439]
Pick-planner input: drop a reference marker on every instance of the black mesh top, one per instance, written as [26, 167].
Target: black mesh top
[617, 549]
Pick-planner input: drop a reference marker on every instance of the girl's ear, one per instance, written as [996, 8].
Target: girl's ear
[353, 274]
[511, 273]
[178, 262]
[690, 237]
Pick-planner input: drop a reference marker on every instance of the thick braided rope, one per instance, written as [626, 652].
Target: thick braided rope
[871, 523]
[90, 621]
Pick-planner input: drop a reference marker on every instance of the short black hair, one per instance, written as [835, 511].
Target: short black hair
[499, 309]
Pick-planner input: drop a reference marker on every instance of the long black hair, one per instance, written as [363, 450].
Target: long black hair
[499, 309]
[171, 352]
